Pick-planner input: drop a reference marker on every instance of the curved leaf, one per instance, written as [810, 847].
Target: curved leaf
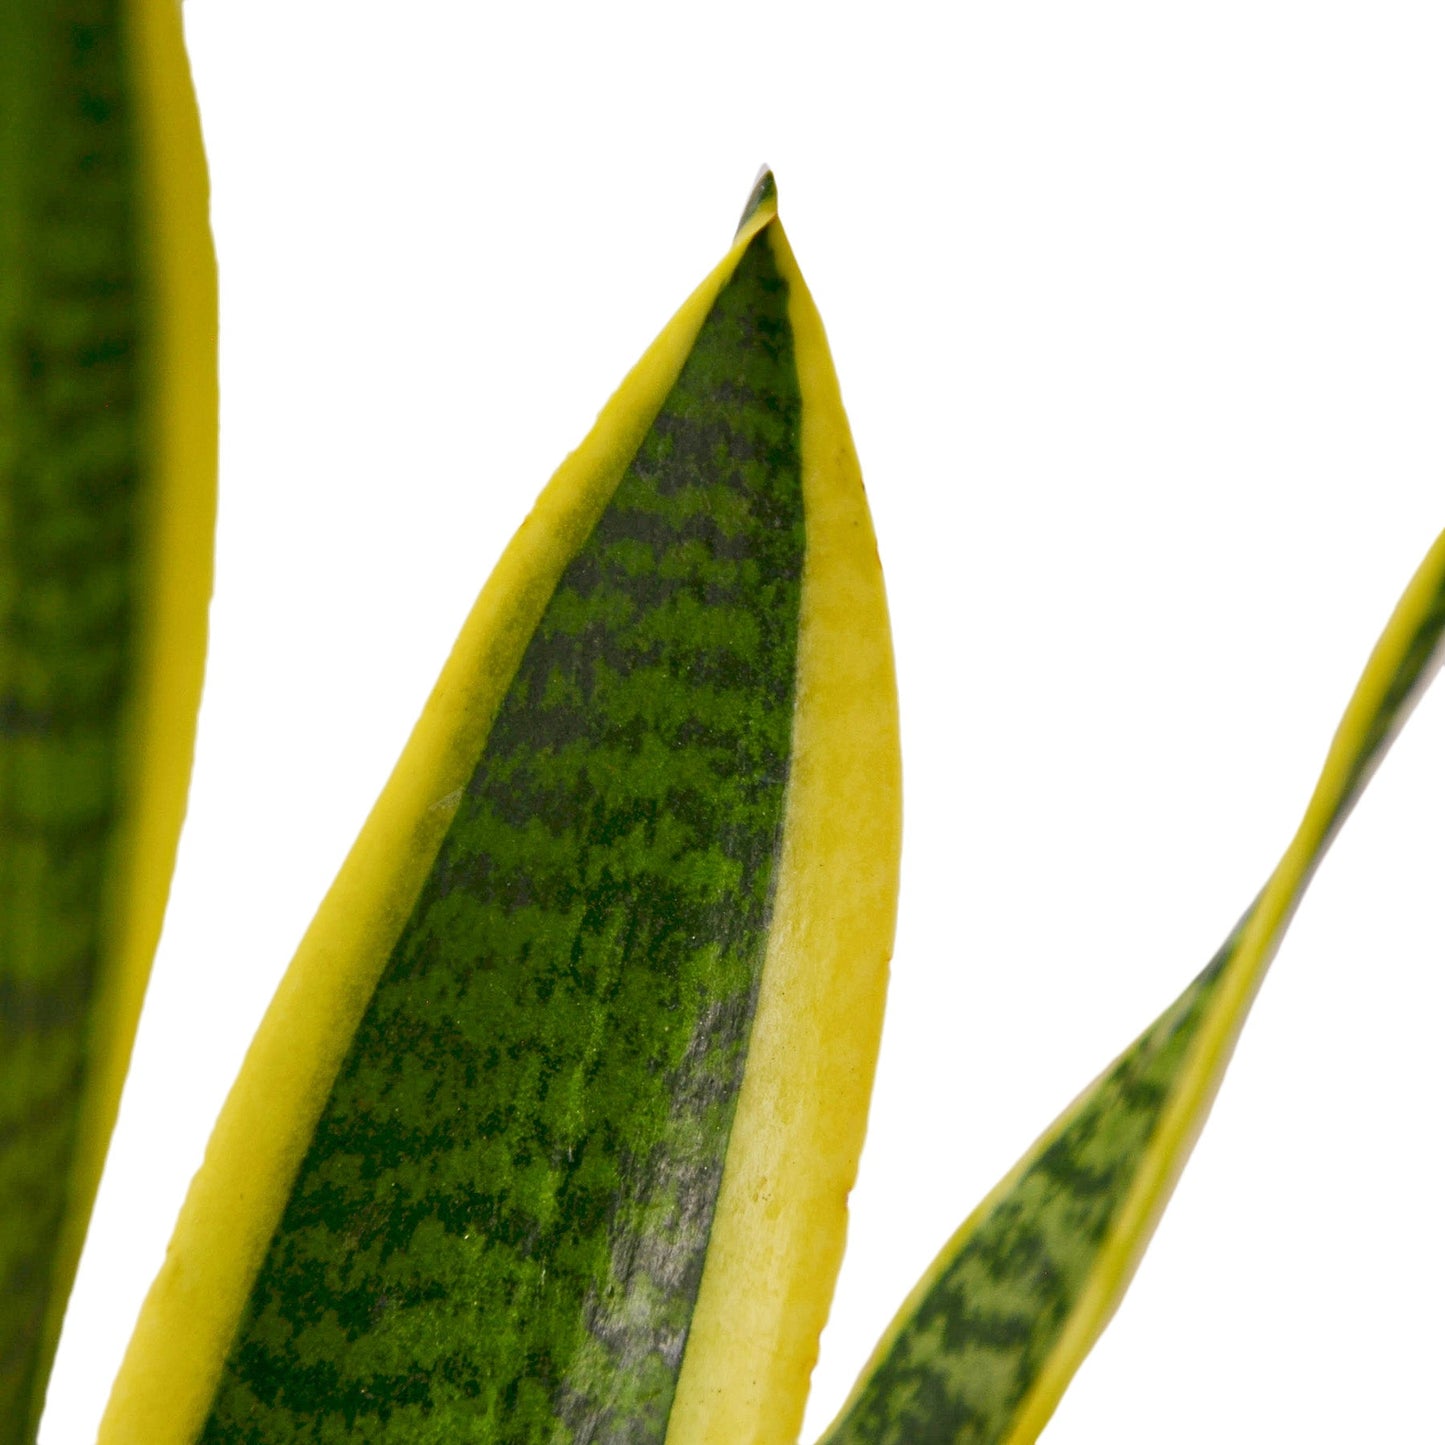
[985, 1346]
[549, 1130]
[107, 501]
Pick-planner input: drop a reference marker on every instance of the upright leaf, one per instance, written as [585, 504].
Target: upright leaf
[549, 1131]
[982, 1350]
[107, 497]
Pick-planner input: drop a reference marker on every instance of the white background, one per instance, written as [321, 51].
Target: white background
[1139, 313]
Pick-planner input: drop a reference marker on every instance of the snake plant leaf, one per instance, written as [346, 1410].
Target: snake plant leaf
[107, 502]
[985, 1345]
[549, 1129]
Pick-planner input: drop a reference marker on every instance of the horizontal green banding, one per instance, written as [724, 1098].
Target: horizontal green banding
[498, 1231]
[964, 1360]
[70, 493]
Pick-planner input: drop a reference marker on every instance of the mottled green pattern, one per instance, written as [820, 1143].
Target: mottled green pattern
[498, 1232]
[69, 489]
[963, 1362]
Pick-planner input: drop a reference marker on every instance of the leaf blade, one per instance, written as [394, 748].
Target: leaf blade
[108, 458]
[588, 565]
[985, 1345]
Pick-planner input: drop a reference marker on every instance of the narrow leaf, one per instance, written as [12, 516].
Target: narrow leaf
[982, 1350]
[107, 499]
[549, 1130]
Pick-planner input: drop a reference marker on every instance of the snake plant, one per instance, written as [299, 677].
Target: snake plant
[549, 1131]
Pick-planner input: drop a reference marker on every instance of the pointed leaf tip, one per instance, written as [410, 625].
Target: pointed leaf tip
[762, 200]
